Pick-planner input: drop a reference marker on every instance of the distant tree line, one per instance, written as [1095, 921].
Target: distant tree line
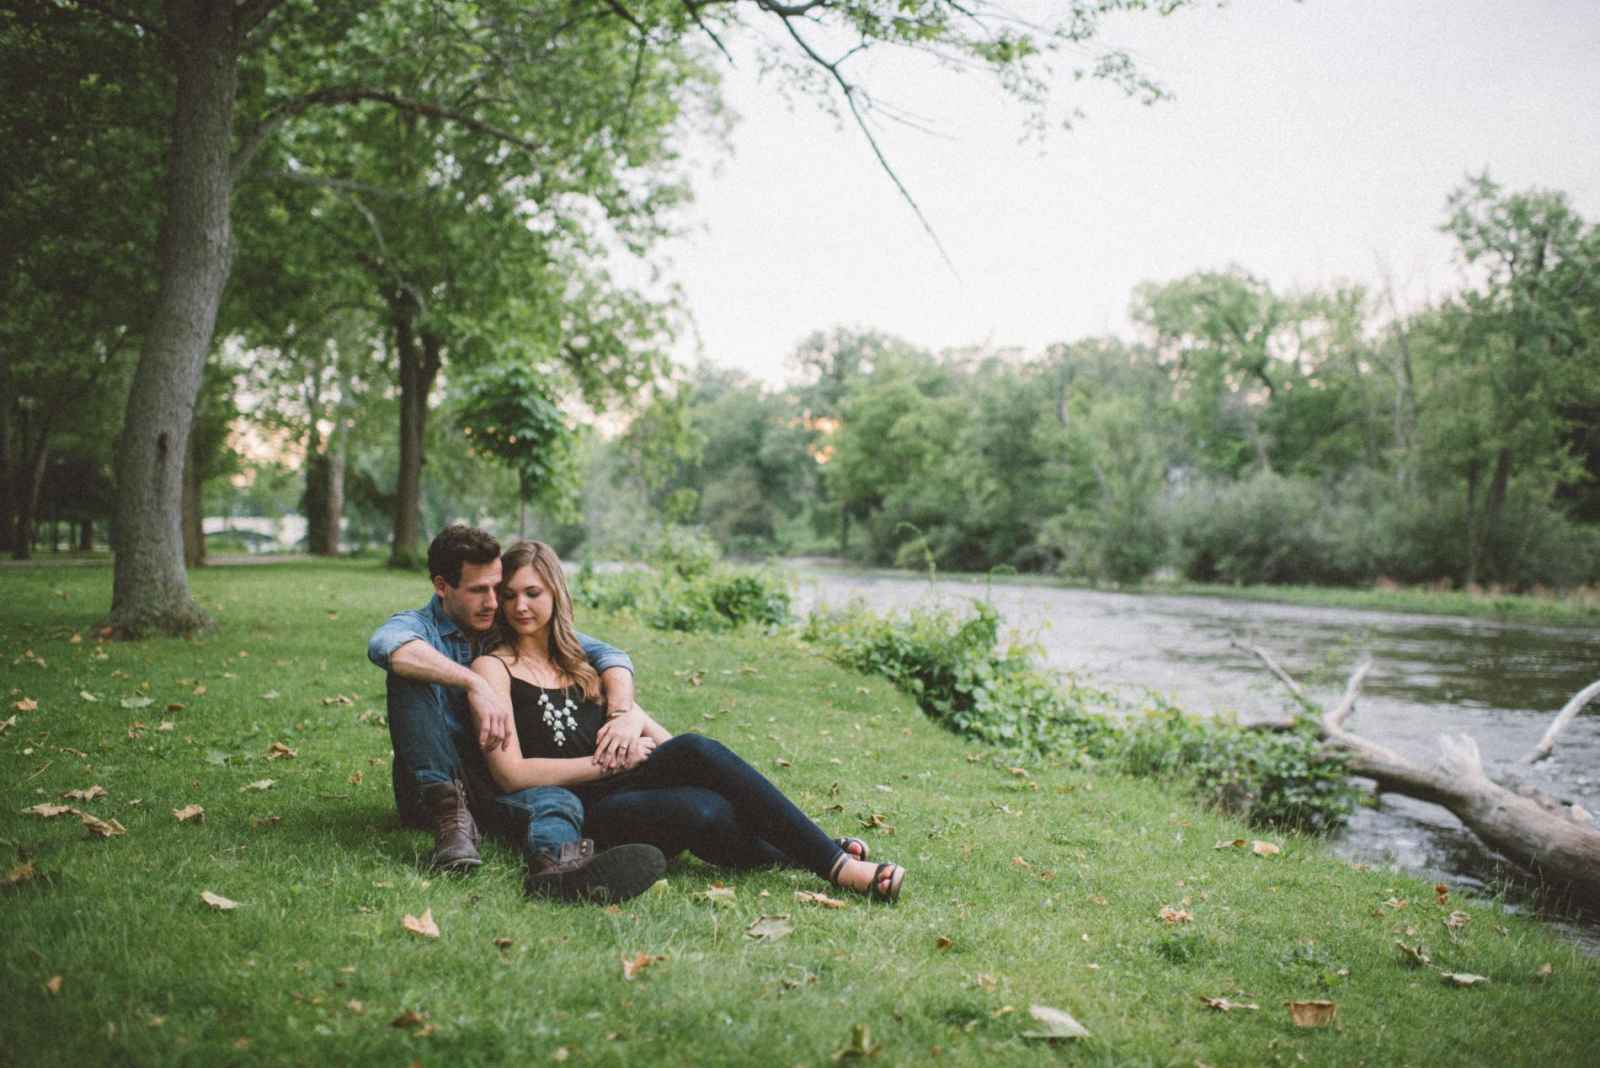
[1250, 435]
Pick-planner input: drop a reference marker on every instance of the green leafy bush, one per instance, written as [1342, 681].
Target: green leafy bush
[1280, 779]
[719, 598]
[954, 669]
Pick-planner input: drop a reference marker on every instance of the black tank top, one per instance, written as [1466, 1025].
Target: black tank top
[555, 723]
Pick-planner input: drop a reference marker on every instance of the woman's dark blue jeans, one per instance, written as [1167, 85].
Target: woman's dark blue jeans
[695, 793]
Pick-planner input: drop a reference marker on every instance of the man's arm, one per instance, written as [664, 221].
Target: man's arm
[421, 662]
[623, 722]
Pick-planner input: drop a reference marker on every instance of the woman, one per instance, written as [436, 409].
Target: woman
[683, 792]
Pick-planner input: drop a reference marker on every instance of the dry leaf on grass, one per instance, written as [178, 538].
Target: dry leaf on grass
[1417, 955]
[355, 778]
[1545, 971]
[769, 928]
[53, 984]
[1265, 849]
[807, 897]
[279, 751]
[102, 828]
[1441, 893]
[1224, 1005]
[1054, 1024]
[632, 966]
[91, 793]
[259, 784]
[986, 982]
[943, 942]
[422, 926]
[1396, 903]
[357, 1007]
[218, 902]
[7, 724]
[717, 894]
[1168, 914]
[48, 811]
[860, 1045]
[27, 704]
[1464, 978]
[21, 873]
[1312, 1013]
[409, 1018]
[1457, 920]
[189, 814]
[137, 702]
[503, 943]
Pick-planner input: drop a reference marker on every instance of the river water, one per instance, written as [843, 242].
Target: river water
[1502, 683]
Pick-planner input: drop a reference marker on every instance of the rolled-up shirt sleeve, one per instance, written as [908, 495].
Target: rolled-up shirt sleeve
[603, 656]
[397, 630]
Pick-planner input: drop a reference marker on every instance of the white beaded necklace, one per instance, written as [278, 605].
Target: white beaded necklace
[559, 720]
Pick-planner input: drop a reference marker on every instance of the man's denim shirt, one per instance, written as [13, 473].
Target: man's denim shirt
[430, 624]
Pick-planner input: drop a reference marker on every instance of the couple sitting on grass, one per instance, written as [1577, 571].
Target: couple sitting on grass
[503, 716]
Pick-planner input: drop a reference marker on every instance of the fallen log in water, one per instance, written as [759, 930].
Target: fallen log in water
[1558, 843]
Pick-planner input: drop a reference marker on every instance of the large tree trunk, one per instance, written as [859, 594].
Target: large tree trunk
[420, 359]
[194, 528]
[150, 589]
[333, 504]
[27, 504]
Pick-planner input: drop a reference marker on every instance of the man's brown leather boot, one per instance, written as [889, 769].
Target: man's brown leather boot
[578, 873]
[455, 833]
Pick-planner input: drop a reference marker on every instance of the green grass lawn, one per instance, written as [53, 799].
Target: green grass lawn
[1039, 887]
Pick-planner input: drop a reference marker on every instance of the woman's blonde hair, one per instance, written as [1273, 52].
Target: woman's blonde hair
[564, 651]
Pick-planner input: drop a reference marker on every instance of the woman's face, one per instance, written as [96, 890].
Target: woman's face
[527, 601]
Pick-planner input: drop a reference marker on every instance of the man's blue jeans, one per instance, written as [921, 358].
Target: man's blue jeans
[434, 743]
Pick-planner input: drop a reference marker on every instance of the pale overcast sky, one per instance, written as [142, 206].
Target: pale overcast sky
[1308, 142]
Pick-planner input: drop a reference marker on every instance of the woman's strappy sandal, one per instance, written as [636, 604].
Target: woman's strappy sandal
[897, 876]
[875, 890]
[855, 847]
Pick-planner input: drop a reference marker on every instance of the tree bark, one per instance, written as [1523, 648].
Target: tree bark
[333, 505]
[420, 359]
[194, 529]
[28, 504]
[150, 589]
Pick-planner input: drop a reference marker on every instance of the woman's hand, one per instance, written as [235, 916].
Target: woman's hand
[616, 738]
[639, 752]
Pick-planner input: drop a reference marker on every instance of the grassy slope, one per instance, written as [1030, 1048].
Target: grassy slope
[1048, 887]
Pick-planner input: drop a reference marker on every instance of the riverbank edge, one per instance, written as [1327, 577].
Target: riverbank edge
[1580, 610]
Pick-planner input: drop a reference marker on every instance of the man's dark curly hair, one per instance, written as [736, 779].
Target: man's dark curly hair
[459, 544]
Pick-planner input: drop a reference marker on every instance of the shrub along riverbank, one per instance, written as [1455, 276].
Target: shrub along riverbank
[1041, 881]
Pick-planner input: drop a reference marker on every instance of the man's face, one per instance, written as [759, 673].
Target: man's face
[472, 603]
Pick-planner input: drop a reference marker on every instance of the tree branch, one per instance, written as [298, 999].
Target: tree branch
[849, 89]
[288, 109]
[1283, 676]
[249, 13]
[694, 13]
[1568, 713]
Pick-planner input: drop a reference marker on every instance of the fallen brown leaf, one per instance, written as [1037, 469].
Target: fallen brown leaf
[1464, 978]
[1312, 1013]
[279, 751]
[102, 828]
[91, 793]
[422, 926]
[769, 928]
[986, 982]
[782, 763]
[355, 778]
[1441, 893]
[53, 984]
[359, 1008]
[189, 814]
[259, 784]
[632, 966]
[1414, 955]
[503, 943]
[1264, 849]
[1396, 903]
[1054, 1024]
[7, 724]
[717, 894]
[409, 1018]
[943, 942]
[48, 811]
[27, 704]
[807, 897]
[218, 902]
[21, 873]
[1224, 1005]
[860, 1045]
[1457, 920]
[1168, 914]
[1544, 971]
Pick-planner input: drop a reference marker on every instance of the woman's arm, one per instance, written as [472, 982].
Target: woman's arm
[508, 767]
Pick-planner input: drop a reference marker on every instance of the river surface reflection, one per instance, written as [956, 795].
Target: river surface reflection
[1499, 682]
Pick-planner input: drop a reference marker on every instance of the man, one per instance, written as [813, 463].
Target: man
[440, 776]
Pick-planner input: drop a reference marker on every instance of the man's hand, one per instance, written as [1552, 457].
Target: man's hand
[617, 737]
[493, 713]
